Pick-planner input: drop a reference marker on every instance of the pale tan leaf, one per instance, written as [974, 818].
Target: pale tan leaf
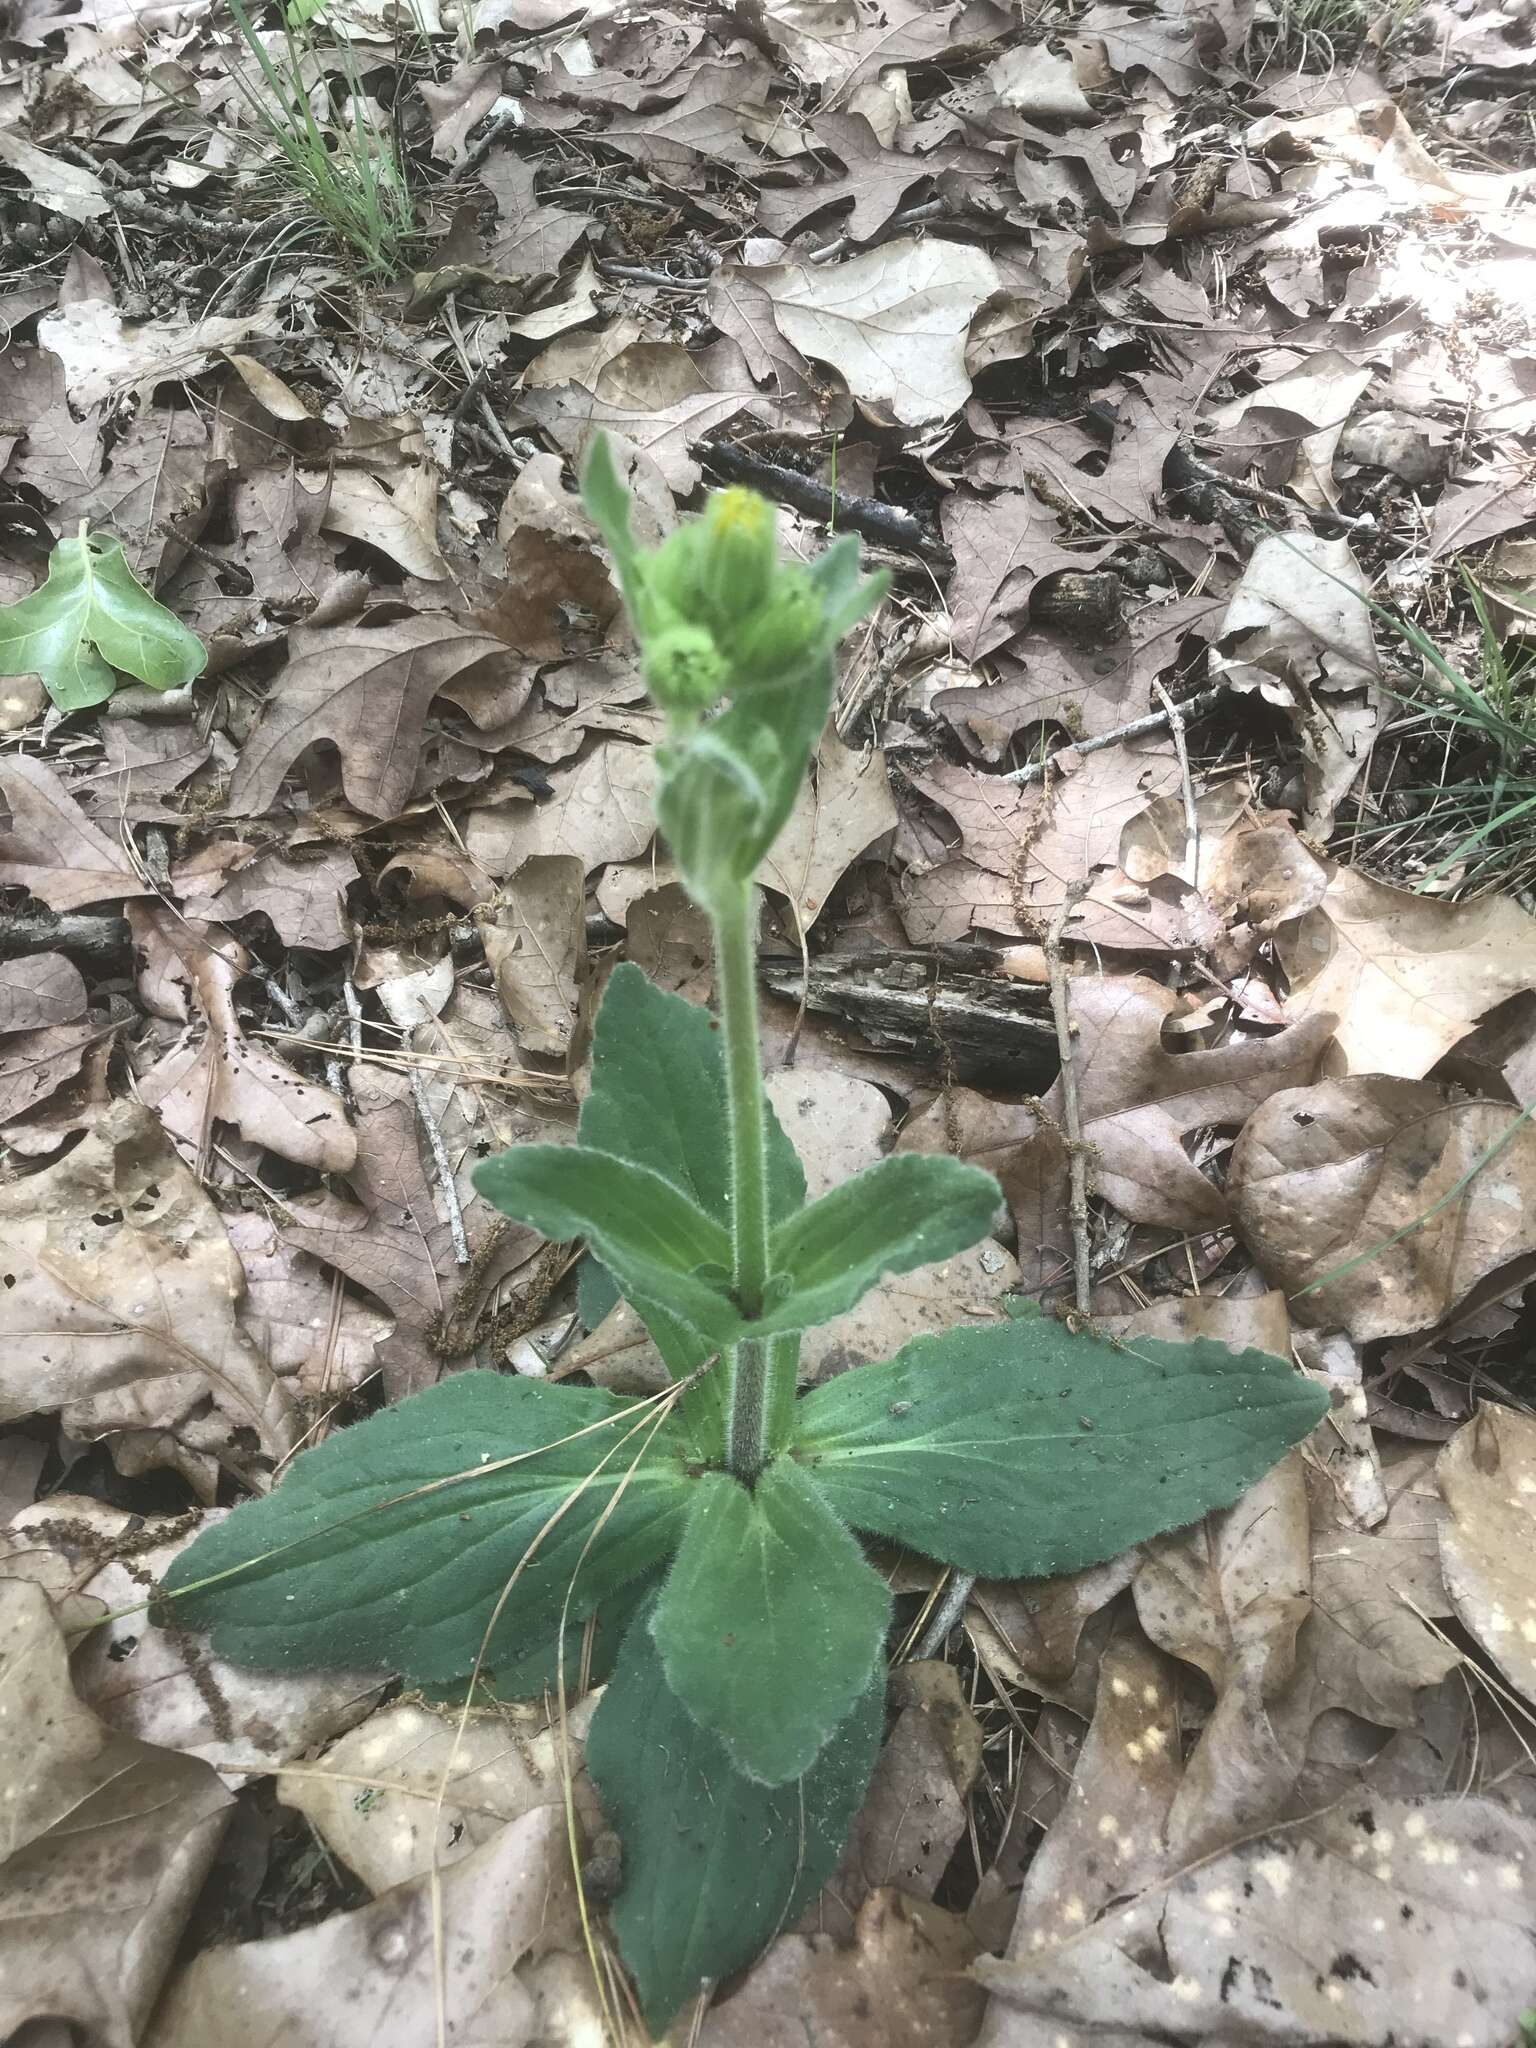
[534, 934]
[1370, 1170]
[842, 809]
[893, 320]
[358, 1980]
[216, 1075]
[105, 1844]
[1487, 1476]
[600, 811]
[156, 1683]
[1313, 1933]
[1406, 976]
[121, 1276]
[52, 849]
[379, 1800]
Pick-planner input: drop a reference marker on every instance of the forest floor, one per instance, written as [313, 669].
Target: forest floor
[1179, 362]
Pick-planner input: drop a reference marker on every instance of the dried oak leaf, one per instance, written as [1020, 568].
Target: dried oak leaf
[34, 1065]
[367, 690]
[120, 1300]
[893, 320]
[215, 1074]
[52, 850]
[104, 1845]
[1407, 976]
[158, 1684]
[1487, 1478]
[391, 1240]
[1229, 1596]
[1093, 797]
[530, 239]
[599, 810]
[1310, 1934]
[374, 1975]
[900, 1984]
[535, 940]
[1393, 1174]
[300, 890]
[842, 809]
[43, 989]
[1137, 1100]
[497, 1769]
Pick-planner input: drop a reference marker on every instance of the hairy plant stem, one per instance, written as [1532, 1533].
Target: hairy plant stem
[748, 1416]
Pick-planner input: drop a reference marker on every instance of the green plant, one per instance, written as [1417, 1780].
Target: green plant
[92, 615]
[478, 1526]
[345, 169]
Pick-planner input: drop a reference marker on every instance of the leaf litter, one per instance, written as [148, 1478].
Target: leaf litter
[1165, 363]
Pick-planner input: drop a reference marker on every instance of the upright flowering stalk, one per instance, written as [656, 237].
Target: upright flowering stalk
[738, 649]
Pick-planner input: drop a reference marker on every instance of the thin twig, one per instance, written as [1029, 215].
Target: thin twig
[1198, 706]
[1071, 1109]
[909, 217]
[1187, 781]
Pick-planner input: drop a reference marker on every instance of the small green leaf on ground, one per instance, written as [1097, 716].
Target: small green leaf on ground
[1020, 1450]
[771, 1620]
[91, 612]
[715, 1865]
[388, 1546]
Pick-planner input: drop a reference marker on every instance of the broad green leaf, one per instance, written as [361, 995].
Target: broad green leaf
[536, 1670]
[659, 1245]
[389, 1545]
[1019, 1450]
[714, 1865]
[770, 1621]
[92, 611]
[899, 1213]
[657, 1097]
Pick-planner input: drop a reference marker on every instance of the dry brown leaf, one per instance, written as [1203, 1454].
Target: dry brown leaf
[842, 809]
[914, 1812]
[52, 850]
[299, 1317]
[302, 891]
[215, 1074]
[42, 990]
[1487, 1477]
[901, 1984]
[1366, 1169]
[1108, 1838]
[1384, 1924]
[600, 810]
[358, 1980]
[1002, 546]
[368, 690]
[104, 1845]
[1229, 1596]
[122, 1310]
[393, 1242]
[530, 239]
[1298, 629]
[499, 1767]
[893, 321]
[1092, 800]
[1137, 1099]
[535, 939]
[34, 1065]
[154, 1683]
[1406, 976]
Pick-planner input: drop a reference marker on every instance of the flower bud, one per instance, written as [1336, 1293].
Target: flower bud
[683, 668]
[737, 554]
[771, 643]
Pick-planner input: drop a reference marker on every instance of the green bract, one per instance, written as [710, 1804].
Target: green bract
[713, 1535]
[92, 616]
